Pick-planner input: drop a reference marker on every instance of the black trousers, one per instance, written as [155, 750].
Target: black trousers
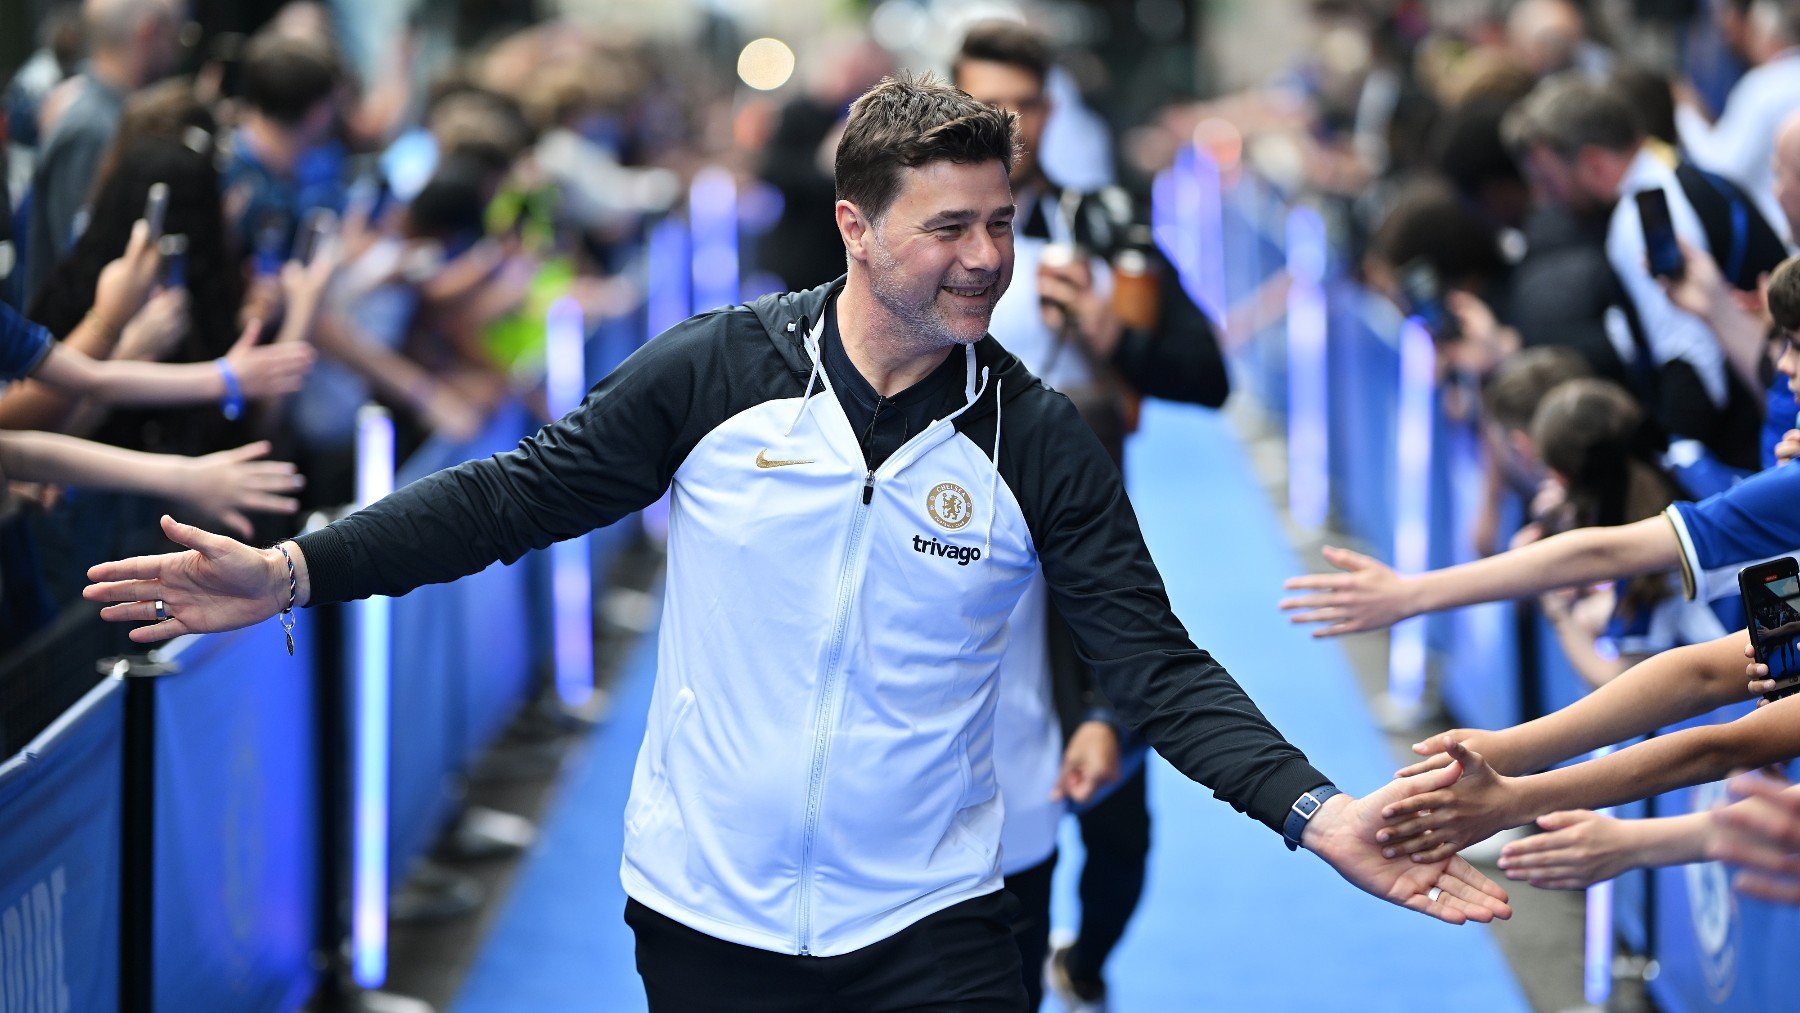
[1116, 835]
[1031, 925]
[961, 958]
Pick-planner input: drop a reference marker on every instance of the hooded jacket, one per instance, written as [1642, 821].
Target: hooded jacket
[817, 770]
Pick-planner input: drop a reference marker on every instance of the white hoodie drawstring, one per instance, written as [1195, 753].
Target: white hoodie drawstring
[994, 476]
[812, 349]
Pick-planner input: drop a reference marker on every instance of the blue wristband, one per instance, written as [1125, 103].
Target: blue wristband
[1301, 813]
[233, 403]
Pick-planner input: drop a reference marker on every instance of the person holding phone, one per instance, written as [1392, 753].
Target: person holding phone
[248, 371]
[1582, 142]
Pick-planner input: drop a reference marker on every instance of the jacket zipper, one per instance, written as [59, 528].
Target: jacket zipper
[827, 694]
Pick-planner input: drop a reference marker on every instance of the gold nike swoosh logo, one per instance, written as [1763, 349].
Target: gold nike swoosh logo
[762, 461]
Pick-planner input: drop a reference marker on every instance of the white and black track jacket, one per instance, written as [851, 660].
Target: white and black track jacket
[817, 773]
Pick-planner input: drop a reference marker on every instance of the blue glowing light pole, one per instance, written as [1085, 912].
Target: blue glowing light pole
[668, 290]
[1309, 481]
[1200, 222]
[1412, 513]
[571, 565]
[713, 217]
[371, 729]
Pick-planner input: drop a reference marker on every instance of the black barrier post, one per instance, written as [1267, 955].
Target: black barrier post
[329, 672]
[137, 861]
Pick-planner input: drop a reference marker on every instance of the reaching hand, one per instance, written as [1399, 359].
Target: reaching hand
[1368, 595]
[1448, 889]
[125, 283]
[225, 484]
[1436, 749]
[217, 584]
[1761, 833]
[303, 285]
[1090, 762]
[1581, 848]
[1474, 804]
[1701, 286]
[268, 370]
[1788, 448]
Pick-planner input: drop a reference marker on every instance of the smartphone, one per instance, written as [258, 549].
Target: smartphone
[271, 246]
[173, 248]
[316, 229]
[1771, 594]
[156, 209]
[1660, 245]
[1423, 295]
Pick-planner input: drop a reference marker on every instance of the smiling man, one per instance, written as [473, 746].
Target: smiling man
[813, 822]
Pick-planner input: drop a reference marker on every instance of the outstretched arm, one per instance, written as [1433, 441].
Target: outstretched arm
[1659, 691]
[1370, 595]
[1483, 802]
[258, 371]
[1580, 848]
[222, 485]
[215, 584]
[1448, 888]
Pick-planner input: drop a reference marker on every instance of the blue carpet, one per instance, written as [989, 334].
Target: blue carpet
[1230, 921]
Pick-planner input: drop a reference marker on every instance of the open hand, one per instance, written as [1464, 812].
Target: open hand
[268, 370]
[1760, 833]
[1435, 750]
[228, 483]
[1579, 849]
[1368, 595]
[1474, 804]
[216, 584]
[1448, 889]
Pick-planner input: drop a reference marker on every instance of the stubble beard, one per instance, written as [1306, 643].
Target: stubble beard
[919, 325]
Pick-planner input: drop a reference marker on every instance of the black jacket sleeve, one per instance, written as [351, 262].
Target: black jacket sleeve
[1179, 360]
[613, 455]
[1109, 592]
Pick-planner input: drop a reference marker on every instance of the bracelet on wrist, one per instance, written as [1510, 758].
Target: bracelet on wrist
[232, 405]
[287, 613]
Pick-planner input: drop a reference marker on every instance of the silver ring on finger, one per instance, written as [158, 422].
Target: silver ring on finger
[162, 610]
[1434, 893]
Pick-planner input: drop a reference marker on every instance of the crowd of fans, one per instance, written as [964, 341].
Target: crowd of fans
[1603, 259]
[218, 247]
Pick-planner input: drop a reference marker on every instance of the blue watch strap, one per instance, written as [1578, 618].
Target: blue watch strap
[1301, 813]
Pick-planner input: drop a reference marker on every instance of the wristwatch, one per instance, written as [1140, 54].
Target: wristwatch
[1301, 813]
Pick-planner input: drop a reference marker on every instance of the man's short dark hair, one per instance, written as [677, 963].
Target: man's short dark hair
[1570, 112]
[284, 77]
[1784, 295]
[1004, 42]
[905, 122]
[1650, 96]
